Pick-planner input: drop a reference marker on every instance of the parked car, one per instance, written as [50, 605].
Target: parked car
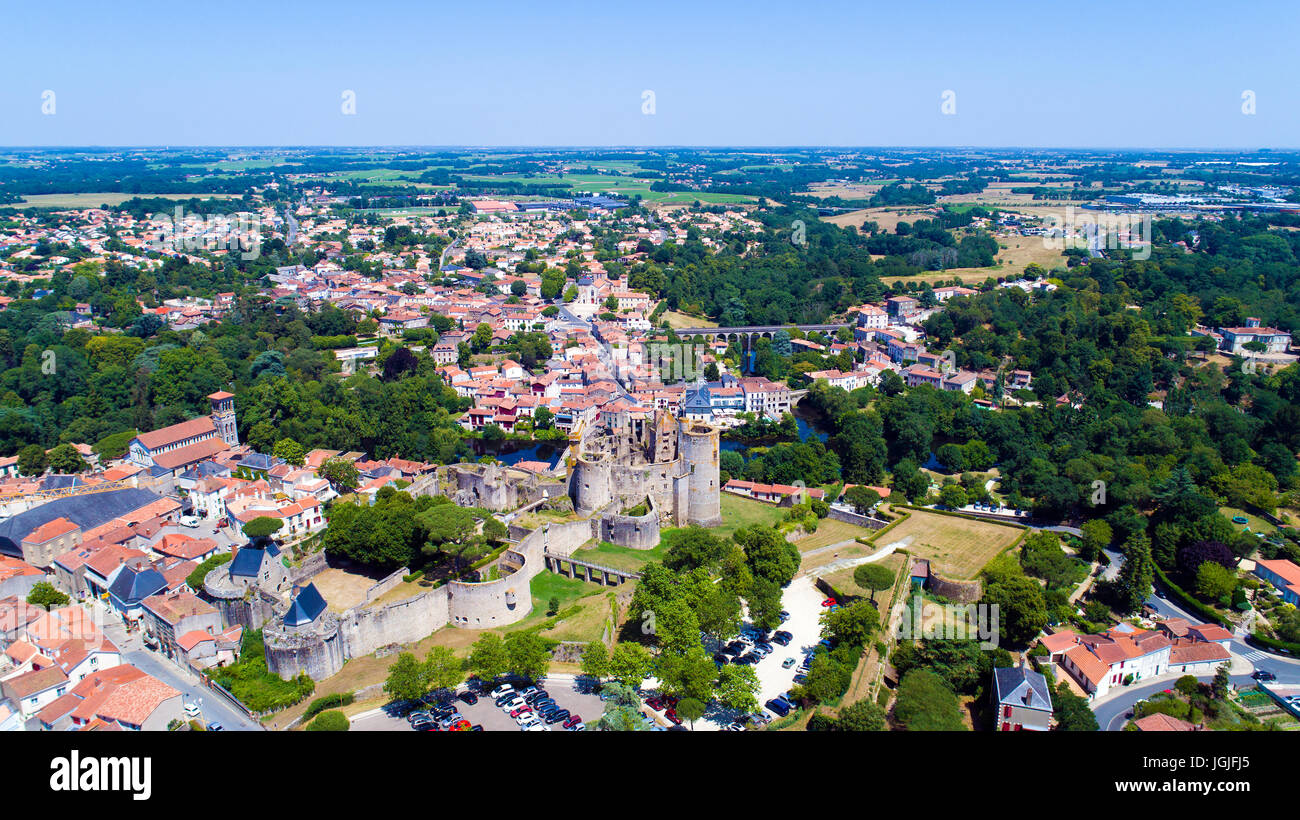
[577, 727]
[190, 521]
[536, 727]
[521, 710]
[735, 726]
[571, 721]
[557, 716]
[787, 663]
[192, 710]
[785, 616]
[502, 690]
[721, 658]
[215, 727]
[800, 678]
[468, 697]
[829, 602]
[779, 706]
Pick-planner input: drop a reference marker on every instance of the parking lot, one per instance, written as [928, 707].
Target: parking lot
[803, 601]
[486, 714]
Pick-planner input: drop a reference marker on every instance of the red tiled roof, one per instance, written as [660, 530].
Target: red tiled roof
[177, 432]
[50, 530]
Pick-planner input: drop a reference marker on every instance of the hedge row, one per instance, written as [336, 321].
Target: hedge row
[1209, 613]
[1274, 643]
[327, 702]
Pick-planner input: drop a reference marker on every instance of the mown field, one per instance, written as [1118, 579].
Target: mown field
[957, 547]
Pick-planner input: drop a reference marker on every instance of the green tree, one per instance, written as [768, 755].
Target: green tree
[289, 450]
[863, 499]
[738, 688]
[1097, 536]
[861, 716]
[444, 669]
[43, 594]
[927, 704]
[262, 526]
[1022, 611]
[340, 473]
[331, 720]
[874, 577]
[488, 658]
[529, 655]
[408, 679]
[853, 624]
[629, 663]
[32, 460]
[595, 660]
[1071, 711]
[1215, 583]
[65, 459]
[690, 710]
[1133, 584]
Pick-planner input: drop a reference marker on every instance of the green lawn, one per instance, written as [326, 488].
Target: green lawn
[740, 512]
[1255, 523]
[625, 558]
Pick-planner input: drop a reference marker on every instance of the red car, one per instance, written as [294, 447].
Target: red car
[571, 720]
[459, 726]
[655, 703]
[829, 602]
[671, 714]
[521, 710]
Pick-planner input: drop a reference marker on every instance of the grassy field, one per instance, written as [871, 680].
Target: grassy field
[957, 547]
[96, 200]
[1255, 523]
[816, 561]
[678, 320]
[830, 531]
[842, 580]
[588, 624]
[740, 512]
[625, 558]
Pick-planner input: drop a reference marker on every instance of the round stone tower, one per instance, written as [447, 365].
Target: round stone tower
[590, 484]
[697, 450]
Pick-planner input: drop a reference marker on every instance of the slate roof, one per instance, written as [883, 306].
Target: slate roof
[247, 563]
[1022, 687]
[306, 607]
[134, 585]
[86, 511]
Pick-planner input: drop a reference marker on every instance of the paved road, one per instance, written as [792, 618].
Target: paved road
[215, 707]
[1286, 669]
[1110, 713]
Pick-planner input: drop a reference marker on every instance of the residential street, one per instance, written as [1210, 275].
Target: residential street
[214, 706]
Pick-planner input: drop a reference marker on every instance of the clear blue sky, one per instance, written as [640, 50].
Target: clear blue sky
[1102, 74]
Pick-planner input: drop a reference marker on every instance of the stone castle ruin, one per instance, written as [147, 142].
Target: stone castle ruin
[628, 475]
[635, 456]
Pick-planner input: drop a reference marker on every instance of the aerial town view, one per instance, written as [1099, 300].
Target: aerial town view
[321, 413]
